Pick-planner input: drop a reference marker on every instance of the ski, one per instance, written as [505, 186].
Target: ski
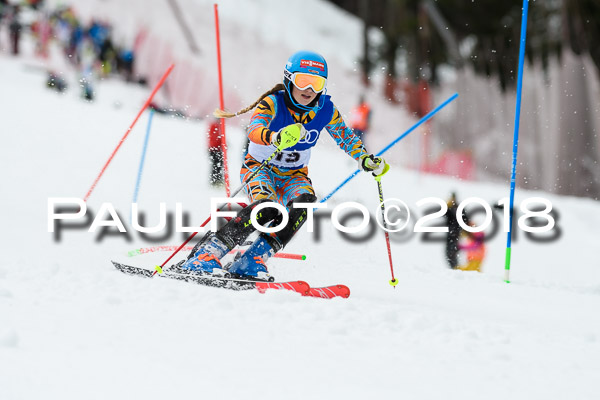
[329, 292]
[129, 270]
[301, 287]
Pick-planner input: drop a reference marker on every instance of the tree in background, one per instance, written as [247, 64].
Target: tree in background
[486, 33]
[420, 35]
[581, 19]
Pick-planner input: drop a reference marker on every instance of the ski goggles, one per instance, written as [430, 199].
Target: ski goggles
[304, 81]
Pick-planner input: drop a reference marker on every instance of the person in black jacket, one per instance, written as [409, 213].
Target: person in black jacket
[454, 231]
[15, 28]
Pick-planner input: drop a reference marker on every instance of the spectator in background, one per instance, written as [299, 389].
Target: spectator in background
[4, 7]
[15, 27]
[87, 63]
[472, 243]
[77, 35]
[63, 28]
[42, 30]
[107, 56]
[474, 248]
[215, 153]
[360, 118]
[125, 60]
[97, 32]
[454, 231]
[35, 4]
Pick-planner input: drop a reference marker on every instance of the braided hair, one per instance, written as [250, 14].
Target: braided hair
[225, 114]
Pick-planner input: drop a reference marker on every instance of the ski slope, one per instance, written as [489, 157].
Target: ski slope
[72, 327]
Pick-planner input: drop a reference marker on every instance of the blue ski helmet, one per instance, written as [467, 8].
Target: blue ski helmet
[308, 62]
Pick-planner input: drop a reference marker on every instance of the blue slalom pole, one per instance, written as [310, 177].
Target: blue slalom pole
[140, 169]
[516, 138]
[393, 143]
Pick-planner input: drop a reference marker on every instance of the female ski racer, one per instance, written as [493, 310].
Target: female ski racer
[289, 119]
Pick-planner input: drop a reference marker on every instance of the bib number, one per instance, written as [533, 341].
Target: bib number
[288, 157]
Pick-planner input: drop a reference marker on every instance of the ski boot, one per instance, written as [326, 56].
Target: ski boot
[206, 260]
[251, 265]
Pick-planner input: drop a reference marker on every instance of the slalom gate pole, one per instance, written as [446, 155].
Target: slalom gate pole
[393, 281]
[158, 85]
[393, 143]
[222, 104]
[159, 268]
[516, 139]
[144, 149]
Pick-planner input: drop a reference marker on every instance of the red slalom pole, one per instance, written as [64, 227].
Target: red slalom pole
[221, 103]
[393, 281]
[158, 85]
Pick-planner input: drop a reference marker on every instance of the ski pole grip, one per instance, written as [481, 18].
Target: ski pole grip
[289, 136]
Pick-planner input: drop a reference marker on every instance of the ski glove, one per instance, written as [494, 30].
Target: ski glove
[374, 164]
[287, 136]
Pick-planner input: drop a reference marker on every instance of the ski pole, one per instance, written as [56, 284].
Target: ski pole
[260, 167]
[158, 268]
[393, 281]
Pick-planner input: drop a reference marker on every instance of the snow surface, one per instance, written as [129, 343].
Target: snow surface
[73, 327]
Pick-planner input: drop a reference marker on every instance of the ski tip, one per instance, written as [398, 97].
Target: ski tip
[130, 270]
[329, 292]
[303, 257]
[344, 291]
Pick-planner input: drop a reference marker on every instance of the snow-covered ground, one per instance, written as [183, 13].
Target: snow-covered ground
[72, 327]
